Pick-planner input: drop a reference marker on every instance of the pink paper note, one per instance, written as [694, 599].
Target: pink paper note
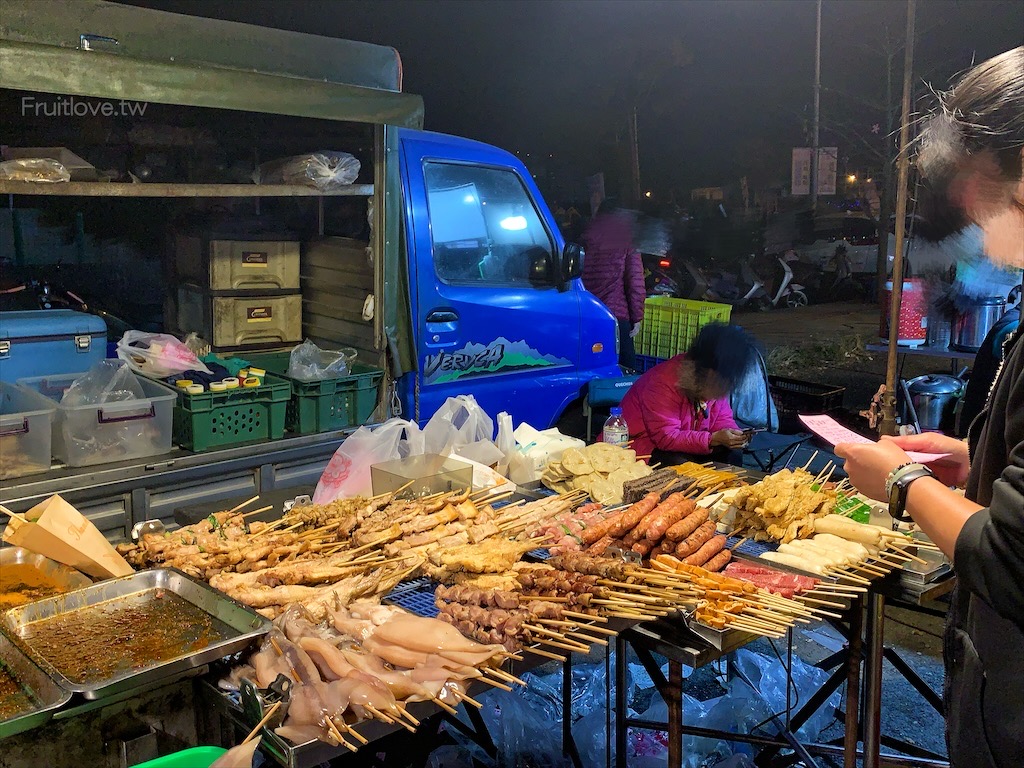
[833, 432]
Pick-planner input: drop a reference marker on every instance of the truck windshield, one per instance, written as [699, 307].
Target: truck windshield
[484, 226]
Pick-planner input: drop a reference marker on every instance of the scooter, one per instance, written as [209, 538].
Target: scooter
[789, 292]
[747, 289]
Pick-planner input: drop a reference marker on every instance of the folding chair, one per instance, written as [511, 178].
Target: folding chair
[602, 394]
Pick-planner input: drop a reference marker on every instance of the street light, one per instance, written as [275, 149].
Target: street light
[851, 178]
[647, 193]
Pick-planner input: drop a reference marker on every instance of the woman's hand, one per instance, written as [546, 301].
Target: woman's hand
[869, 464]
[733, 439]
[951, 470]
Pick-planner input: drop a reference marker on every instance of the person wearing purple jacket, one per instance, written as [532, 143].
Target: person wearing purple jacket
[613, 271]
[679, 410]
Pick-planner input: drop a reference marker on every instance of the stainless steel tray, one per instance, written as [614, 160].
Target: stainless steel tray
[45, 693]
[244, 624]
[62, 576]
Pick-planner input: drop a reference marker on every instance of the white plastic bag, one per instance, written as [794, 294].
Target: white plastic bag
[157, 354]
[460, 421]
[505, 442]
[323, 170]
[348, 472]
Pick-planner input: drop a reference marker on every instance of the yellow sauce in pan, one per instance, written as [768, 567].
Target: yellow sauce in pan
[22, 583]
[108, 639]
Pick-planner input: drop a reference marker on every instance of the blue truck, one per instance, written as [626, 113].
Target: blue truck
[463, 286]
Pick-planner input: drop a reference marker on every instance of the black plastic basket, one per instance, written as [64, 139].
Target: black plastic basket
[793, 397]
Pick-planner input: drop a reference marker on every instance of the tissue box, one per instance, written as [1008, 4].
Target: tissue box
[425, 474]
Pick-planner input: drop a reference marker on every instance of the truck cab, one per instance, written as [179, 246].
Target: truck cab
[498, 309]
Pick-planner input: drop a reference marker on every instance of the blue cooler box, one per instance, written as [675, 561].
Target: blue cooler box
[44, 342]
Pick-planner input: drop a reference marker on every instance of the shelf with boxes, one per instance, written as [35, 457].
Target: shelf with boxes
[164, 189]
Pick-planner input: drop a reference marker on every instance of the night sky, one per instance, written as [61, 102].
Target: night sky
[546, 77]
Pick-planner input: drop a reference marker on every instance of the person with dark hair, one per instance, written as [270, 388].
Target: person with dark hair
[613, 271]
[972, 152]
[679, 410]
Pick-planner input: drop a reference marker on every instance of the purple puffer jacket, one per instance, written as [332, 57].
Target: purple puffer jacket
[612, 270]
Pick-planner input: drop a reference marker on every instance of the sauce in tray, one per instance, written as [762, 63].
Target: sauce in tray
[22, 583]
[102, 641]
[13, 698]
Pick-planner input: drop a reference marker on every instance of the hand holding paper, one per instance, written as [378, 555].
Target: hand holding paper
[833, 432]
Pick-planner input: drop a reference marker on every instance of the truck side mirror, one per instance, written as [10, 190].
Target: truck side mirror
[572, 261]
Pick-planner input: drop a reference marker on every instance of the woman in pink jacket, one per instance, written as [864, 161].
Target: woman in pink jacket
[679, 410]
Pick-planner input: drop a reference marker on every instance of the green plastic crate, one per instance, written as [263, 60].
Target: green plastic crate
[670, 325]
[328, 404]
[224, 419]
[196, 757]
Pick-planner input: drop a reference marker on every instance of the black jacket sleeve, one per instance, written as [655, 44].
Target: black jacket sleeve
[989, 555]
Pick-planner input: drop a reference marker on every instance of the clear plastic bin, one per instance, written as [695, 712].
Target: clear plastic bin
[26, 420]
[97, 434]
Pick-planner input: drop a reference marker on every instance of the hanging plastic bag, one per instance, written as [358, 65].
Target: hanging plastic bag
[109, 381]
[324, 170]
[307, 362]
[348, 472]
[505, 442]
[157, 354]
[458, 422]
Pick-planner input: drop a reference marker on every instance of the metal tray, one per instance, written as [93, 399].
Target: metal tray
[63, 576]
[48, 696]
[243, 622]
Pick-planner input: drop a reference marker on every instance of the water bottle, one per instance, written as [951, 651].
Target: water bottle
[616, 431]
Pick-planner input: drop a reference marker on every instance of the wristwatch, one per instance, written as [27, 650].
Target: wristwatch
[897, 486]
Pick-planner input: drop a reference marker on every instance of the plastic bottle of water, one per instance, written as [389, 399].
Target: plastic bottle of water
[616, 431]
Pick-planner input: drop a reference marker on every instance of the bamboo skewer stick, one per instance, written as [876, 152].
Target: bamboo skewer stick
[354, 733]
[333, 728]
[407, 713]
[591, 617]
[503, 675]
[243, 505]
[495, 683]
[444, 705]
[266, 718]
[547, 654]
[13, 515]
[816, 601]
[466, 697]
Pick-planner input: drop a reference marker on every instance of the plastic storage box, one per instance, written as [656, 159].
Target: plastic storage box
[328, 404]
[235, 323]
[237, 265]
[793, 397]
[421, 475]
[224, 419]
[670, 325]
[41, 342]
[95, 434]
[26, 421]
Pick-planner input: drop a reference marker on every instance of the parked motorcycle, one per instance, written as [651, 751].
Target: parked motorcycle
[744, 289]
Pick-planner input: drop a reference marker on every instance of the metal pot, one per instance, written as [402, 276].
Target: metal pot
[974, 322]
[933, 398]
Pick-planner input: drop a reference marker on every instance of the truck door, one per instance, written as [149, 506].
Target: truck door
[488, 323]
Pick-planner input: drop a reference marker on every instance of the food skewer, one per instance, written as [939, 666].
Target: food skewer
[263, 721]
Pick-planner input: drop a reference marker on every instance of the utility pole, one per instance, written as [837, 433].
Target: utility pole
[817, 112]
[888, 424]
[634, 157]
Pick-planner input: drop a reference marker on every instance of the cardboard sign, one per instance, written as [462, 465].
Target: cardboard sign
[60, 532]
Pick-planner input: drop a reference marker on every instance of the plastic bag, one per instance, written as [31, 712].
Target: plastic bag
[460, 421]
[34, 169]
[348, 472]
[157, 354]
[308, 362]
[323, 169]
[505, 442]
[109, 381]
